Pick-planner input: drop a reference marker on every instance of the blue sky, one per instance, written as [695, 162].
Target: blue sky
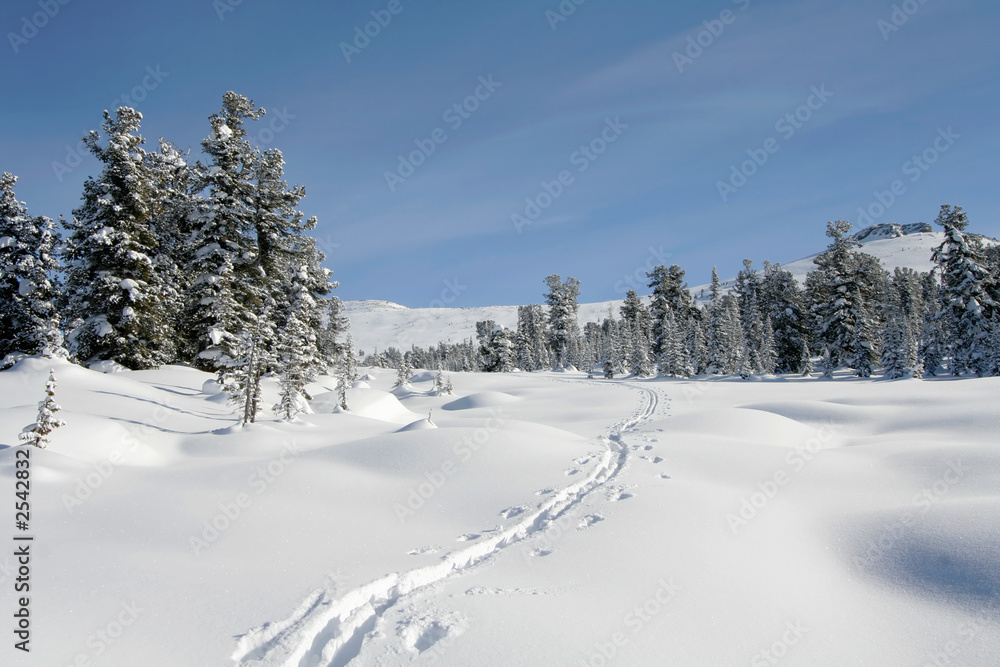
[872, 87]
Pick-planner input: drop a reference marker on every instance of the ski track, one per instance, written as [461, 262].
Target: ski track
[328, 632]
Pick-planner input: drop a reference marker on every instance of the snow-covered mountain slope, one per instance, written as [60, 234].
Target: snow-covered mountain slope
[380, 324]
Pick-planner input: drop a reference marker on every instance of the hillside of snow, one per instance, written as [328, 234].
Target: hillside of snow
[380, 324]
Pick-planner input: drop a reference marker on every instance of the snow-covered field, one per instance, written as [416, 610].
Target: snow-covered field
[548, 519]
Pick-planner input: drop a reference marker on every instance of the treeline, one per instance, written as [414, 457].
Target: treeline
[850, 314]
[169, 260]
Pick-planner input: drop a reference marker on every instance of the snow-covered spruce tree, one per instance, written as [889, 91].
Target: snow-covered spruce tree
[350, 359]
[640, 365]
[695, 341]
[29, 322]
[530, 341]
[404, 373]
[967, 305]
[297, 358]
[899, 345]
[674, 359]
[279, 233]
[843, 291]
[114, 294]
[564, 331]
[784, 303]
[37, 434]
[719, 334]
[241, 376]
[174, 208]
[609, 369]
[669, 292]
[223, 294]
[757, 327]
[496, 345]
[933, 334]
[336, 325]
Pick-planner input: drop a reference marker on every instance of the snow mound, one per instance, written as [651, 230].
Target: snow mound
[419, 425]
[107, 366]
[371, 403]
[361, 384]
[211, 387]
[746, 424]
[483, 399]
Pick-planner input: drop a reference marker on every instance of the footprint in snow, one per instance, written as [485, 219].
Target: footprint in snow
[512, 512]
[468, 537]
[624, 495]
[656, 459]
[571, 471]
[589, 521]
[423, 551]
[540, 553]
[664, 475]
[648, 447]
[582, 461]
[544, 492]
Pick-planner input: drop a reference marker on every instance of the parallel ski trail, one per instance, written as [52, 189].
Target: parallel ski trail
[328, 632]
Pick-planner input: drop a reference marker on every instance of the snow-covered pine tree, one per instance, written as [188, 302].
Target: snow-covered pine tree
[223, 295]
[669, 291]
[843, 291]
[496, 346]
[37, 434]
[783, 302]
[716, 338]
[531, 342]
[29, 321]
[564, 331]
[968, 307]
[640, 365]
[241, 376]
[175, 206]
[674, 360]
[404, 373]
[899, 345]
[113, 290]
[350, 360]
[335, 326]
[297, 358]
